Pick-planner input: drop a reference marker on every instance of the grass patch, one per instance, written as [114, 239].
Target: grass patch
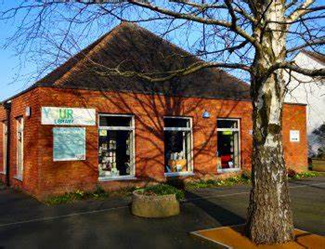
[163, 189]
[242, 179]
[98, 194]
[308, 174]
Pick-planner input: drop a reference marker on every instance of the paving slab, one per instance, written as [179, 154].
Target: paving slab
[233, 237]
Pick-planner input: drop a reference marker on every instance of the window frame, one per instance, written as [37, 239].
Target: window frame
[120, 128]
[238, 129]
[190, 166]
[18, 176]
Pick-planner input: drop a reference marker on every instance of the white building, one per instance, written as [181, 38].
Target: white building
[311, 91]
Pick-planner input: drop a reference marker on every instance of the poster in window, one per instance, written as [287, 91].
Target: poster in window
[69, 144]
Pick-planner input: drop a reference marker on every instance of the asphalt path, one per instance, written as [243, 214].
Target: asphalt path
[26, 223]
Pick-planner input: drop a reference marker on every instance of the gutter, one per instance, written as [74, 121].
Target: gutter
[7, 106]
[18, 94]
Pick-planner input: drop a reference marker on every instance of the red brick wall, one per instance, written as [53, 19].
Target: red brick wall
[60, 177]
[30, 173]
[296, 154]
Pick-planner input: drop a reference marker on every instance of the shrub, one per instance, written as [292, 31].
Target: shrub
[294, 175]
[304, 175]
[291, 173]
[79, 195]
[235, 179]
[163, 189]
[246, 174]
[100, 193]
[203, 184]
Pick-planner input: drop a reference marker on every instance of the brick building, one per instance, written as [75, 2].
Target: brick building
[78, 127]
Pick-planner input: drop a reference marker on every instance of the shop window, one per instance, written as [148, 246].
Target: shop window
[4, 146]
[20, 147]
[116, 146]
[228, 145]
[178, 145]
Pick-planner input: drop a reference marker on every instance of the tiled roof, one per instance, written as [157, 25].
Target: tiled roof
[134, 48]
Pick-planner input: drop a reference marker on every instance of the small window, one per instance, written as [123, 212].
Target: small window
[20, 147]
[228, 145]
[116, 146]
[178, 145]
[4, 145]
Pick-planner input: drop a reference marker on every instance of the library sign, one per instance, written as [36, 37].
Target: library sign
[68, 116]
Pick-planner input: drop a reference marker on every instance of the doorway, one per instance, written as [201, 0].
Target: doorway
[116, 146]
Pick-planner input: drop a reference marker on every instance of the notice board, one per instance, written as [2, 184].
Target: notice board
[69, 144]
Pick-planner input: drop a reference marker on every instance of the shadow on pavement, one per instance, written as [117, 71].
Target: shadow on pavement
[220, 214]
[307, 184]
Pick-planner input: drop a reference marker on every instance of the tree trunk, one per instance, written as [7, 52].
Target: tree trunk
[269, 213]
[269, 218]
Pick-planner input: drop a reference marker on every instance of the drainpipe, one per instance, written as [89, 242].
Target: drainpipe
[7, 106]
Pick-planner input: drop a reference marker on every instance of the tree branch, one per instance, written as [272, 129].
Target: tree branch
[191, 17]
[155, 77]
[300, 11]
[295, 68]
[307, 44]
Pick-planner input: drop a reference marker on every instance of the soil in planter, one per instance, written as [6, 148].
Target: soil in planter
[163, 189]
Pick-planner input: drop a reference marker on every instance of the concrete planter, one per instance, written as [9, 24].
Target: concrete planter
[152, 206]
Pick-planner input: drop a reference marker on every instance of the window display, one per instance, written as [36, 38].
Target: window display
[178, 134]
[228, 144]
[116, 150]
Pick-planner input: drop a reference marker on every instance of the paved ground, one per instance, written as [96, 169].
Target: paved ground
[25, 223]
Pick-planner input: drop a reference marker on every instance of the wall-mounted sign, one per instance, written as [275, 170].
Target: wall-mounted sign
[68, 116]
[294, 136]
[69, 144]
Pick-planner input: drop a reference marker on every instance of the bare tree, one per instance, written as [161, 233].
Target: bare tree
[257, 37]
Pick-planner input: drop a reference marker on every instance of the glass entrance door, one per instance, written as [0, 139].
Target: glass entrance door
[116, 146]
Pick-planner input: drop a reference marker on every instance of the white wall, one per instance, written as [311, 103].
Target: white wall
[305, 90]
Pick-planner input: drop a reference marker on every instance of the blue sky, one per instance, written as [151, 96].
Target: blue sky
[12, 70]
[15, 70]
[10, 66]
